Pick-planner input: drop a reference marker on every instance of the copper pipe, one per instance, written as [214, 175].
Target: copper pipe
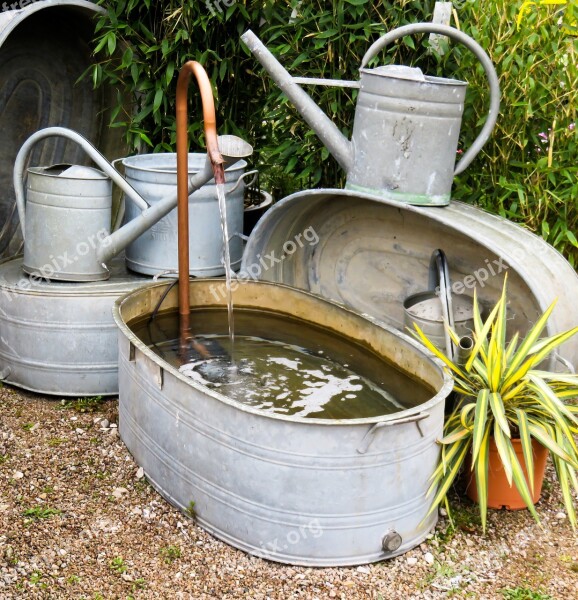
[210, 124]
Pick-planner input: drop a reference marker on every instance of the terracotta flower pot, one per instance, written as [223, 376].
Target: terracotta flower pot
[500, 494]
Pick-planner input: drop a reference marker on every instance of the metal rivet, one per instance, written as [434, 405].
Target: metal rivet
[391, 541]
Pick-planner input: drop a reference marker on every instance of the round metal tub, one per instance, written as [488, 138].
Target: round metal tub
[290, 489]
[44, 48]
[371, 254]
[154, 177]
[59, 338]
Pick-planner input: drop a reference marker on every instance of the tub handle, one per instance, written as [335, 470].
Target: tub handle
[370, 435]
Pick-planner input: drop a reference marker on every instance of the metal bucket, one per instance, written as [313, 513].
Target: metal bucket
[154, 176]
[291, 489]
[60, 338]
[44, 48]
[370, 254]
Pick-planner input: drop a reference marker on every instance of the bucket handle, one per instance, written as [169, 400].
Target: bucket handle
[370, 435]
[439, 276]
[254, 172]
[93, 153]
[480, 54]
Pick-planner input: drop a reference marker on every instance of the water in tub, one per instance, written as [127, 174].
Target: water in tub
[284, 365]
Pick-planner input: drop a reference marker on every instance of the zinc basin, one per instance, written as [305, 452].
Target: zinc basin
[302, 491]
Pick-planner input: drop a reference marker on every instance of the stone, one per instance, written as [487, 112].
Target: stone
[429, 558]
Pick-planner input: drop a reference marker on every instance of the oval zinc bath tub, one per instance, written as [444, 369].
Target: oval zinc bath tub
[304, 491]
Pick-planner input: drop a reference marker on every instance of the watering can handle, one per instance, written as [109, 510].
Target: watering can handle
[241, 179]
[93, 153]
[439, 275]
[480, 54]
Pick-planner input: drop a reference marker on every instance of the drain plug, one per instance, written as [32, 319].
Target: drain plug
[391, 541]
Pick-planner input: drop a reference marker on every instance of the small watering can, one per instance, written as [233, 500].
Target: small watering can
[407, 124]
[433, 309]
[66, 218]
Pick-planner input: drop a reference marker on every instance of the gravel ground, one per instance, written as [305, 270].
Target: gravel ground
[79, 520]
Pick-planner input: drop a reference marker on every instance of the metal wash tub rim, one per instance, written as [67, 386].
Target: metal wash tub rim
[402, 416]
[10, 19]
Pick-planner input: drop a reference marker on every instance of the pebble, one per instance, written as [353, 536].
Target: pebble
[429, 558]
[79, 431]
[411, 561]
[104, 424]
[561, 515]
[365, 570]
[140, 473]
[118, 492]
[18, 475]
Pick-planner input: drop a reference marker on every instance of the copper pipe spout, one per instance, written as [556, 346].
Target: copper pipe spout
[210, 124]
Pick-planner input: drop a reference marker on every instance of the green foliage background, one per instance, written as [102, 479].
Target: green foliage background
[521, 174]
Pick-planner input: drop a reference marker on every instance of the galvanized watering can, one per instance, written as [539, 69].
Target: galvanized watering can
[433, 309]
[66, 218]
[407, 124]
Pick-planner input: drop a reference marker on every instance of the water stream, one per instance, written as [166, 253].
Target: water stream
[227, 264]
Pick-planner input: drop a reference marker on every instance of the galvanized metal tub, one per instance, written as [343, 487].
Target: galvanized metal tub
[294, 490]
[44, 48]
[60, 338]
[154, 177]
[370, 254]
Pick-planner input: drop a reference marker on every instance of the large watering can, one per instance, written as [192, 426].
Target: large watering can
[407, 124]
[66, 218]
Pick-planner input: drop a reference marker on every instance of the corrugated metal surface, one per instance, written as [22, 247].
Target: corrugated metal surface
[373, 253]
[294, 490]
[60, 338]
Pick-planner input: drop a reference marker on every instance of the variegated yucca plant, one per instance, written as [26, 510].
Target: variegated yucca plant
[504, 395]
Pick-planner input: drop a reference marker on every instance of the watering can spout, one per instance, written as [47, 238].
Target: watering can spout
[339, 146]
